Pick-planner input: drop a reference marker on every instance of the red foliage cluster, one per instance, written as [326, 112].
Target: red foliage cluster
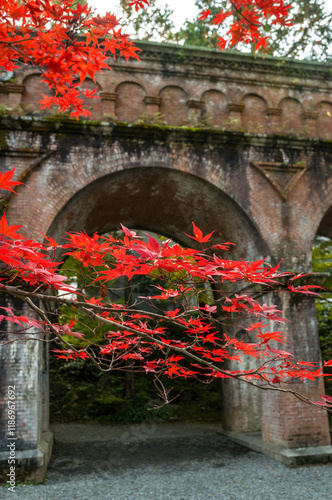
[65, 40]
[247, 19]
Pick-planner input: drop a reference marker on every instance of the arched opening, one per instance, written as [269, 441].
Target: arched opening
[322, 266]
[291, 116]
[174, 108]
[166, 202]
[130, 106]
[254, 118]
[215, 113]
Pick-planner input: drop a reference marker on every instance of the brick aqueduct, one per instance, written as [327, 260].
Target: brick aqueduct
[239, 145]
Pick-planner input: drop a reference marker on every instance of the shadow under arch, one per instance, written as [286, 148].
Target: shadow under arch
[163, 201]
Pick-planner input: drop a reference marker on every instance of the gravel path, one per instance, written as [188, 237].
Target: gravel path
[167, 462]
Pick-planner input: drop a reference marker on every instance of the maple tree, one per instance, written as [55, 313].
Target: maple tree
[199, 332]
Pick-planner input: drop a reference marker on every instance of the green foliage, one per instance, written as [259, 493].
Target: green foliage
[3, 110]
[151, 23]
[200, 34]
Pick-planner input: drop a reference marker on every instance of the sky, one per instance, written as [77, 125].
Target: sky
[183, 9]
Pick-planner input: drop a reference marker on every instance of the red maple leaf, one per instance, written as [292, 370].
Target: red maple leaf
[6, 182]
[9, 231]
[204, 15]
[199, 235]
[138, 4]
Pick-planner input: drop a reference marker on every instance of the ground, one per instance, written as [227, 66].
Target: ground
[175, 461]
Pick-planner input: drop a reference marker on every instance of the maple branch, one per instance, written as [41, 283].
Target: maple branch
[207, 363]
[25, 56]
[26, 339]
[44, 317]
[244, 17]
[42, 314]
[16, 292]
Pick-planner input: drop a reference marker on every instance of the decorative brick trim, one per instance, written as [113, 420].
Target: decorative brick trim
[192, 104]
[150, 99]
[109, 96]
[310, 115]
[273, 111]
[294, 172]
[238, 108]
[14, 88]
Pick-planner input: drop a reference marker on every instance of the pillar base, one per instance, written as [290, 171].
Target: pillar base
[292, 457]
[30, 465]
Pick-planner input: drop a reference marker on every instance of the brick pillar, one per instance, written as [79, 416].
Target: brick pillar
[240, 402]
[152, 105]
[274, 119]
[22, 367]
[195, 111]
[285, 420]
[45, 389]
[310, 119]
[15, 93]
[109, 100]
[235, 117]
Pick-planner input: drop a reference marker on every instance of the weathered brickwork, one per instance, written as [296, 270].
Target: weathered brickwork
[238, 145]
[185, 86]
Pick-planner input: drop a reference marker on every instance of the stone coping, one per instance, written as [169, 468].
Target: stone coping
[271, 64]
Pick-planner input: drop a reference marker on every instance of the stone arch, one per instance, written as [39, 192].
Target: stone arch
[291, 117]
[254, 117]
[33, 92]
[324, 121]
[130, 105]
[174, 106]
[215, 112]
[166, 201]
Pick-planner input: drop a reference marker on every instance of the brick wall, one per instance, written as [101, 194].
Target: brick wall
[260, 95]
